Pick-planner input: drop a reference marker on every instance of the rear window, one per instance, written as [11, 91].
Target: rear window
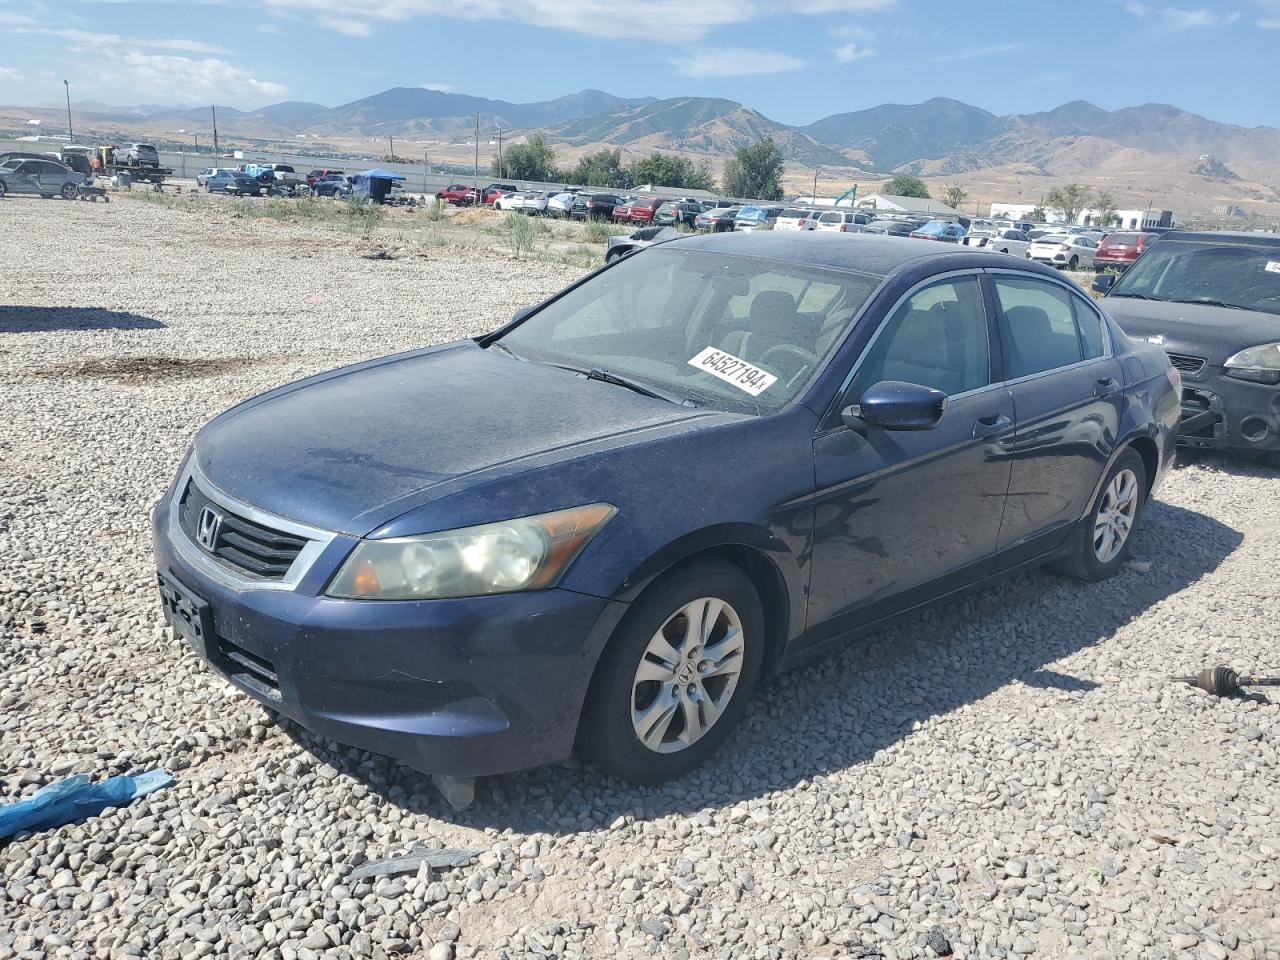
[795, 214]
[831, 218]
[1121, 240]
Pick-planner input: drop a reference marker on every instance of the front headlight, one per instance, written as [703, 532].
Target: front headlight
[525, 554]
[1259, 364]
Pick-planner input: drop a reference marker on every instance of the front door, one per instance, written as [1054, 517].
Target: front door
[1068, 397]
[900, 516]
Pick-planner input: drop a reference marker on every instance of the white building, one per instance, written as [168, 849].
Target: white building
[1129, 219]
[888, 203]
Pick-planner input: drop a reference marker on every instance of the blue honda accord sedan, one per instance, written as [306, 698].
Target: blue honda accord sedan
[597, 527]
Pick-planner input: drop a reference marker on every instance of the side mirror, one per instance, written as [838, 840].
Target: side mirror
[1103, 282]
[894, 405]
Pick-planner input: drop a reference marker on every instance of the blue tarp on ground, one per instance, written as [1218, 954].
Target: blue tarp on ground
[376, 183]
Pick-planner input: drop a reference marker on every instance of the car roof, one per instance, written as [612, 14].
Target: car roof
[1221, 236]
[877, 254]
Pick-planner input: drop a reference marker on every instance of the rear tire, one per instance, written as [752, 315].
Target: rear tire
[1093, 553]
[680, 667]
[69, 191]
[3, 189]
[1073, 263]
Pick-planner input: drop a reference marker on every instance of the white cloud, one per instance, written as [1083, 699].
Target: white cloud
[1269, 23]
[851, 51]
[1182, 18]
[976, 53]
[735, 62]
[670, 21]
[183, 78]
[11, 74]
[88, 38]
[439, 87]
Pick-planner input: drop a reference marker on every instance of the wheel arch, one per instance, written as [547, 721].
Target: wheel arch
[770, 565]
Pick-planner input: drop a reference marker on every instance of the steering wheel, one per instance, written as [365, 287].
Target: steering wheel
[807, 359]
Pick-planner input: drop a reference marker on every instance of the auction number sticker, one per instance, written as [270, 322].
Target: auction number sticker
[734, 370]
[1273, 266]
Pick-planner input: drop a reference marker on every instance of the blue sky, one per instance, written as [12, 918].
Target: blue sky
[794, 60]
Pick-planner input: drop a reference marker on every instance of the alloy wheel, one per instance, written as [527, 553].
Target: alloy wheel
[687, 675]
[1115, 516]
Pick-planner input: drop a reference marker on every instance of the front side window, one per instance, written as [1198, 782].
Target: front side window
[651, 315]
[1039, 326]
[938, 338]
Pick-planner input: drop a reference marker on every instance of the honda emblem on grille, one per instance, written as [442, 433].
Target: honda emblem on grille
[209, 527]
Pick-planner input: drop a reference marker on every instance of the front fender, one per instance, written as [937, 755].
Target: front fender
[789, 570]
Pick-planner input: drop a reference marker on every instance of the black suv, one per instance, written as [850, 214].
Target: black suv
[594, 206]
[1212, 301]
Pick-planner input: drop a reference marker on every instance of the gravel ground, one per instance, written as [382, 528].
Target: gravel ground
[1002, 776]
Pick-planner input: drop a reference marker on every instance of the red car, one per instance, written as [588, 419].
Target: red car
[642, 211]
[1119, 250]
[459, 194]
[317, 175]
[622, 212]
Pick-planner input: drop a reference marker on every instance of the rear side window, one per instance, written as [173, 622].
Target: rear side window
[1090, 326]
[936, 339]
[831, 218]
[1039, 326]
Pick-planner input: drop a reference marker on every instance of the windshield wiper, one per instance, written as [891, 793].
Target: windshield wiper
[505, 349]
[1214, 303]
[1135, 296]
[605, 376]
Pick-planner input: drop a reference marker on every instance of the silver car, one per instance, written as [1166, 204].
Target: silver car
[48, 178]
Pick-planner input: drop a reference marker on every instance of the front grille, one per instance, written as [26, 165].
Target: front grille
[249, 547]
[249, 668]
[1186, 364]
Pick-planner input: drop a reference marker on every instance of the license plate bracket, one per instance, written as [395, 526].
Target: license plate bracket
[186, 612]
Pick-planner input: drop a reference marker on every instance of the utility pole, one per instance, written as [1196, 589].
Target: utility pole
[70, 134]
[502, 171]
[815, 184]
[214, 109]
[392, 156]
[477, 168]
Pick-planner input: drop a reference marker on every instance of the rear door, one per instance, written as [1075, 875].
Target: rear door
[1068, 398]
[902, 516]
[26, 179]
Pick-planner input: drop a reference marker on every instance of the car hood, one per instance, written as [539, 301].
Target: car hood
[1196, 329]
[355, 448]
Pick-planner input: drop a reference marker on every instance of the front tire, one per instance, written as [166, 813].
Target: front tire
[676, 676]
[69, 191]
[1100, 546]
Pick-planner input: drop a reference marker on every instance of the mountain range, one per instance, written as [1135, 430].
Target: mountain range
[940, 137]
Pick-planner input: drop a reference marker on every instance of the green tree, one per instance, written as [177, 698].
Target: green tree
[1038, 215]
[755, 172]
[600, 169]
[1071, 199]
[905, 185]
[953, 195]
[532, 160]
[1105, 205]
[667, 170]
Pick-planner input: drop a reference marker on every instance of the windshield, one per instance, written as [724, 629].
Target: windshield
[1185, 272]
[668, 317]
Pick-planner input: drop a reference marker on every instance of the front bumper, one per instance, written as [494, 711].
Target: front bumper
[1220, 412]
[465, 687]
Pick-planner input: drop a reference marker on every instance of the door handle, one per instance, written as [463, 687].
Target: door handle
[1105, 386]
[990, 425]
